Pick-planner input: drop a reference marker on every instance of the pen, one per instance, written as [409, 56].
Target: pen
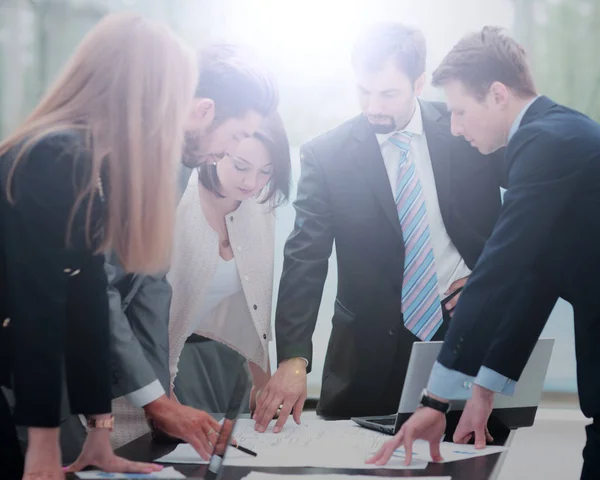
[245, 450]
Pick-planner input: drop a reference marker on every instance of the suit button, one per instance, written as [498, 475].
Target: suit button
[255, 307]
[231, 218]
[265, 336]
[392, 332]
[6, 322]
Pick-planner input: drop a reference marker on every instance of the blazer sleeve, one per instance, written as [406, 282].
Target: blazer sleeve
[540, 185]
[139, 319]
[133, 375]
[52, 332]
[306, 256]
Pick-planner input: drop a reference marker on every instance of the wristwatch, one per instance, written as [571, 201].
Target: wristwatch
[103, 423]
[427, 401]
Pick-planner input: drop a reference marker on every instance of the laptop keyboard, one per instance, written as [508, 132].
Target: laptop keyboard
[385, 421]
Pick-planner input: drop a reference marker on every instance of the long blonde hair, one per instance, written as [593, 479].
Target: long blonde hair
[129, 88]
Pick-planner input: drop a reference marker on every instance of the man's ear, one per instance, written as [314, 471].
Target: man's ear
[202, 115]
[420, 84]
[499, 94]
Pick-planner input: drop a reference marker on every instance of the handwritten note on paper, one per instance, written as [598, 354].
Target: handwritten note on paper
[315, 443]
[451, 452]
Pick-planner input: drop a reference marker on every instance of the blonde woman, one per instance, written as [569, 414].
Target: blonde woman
[222, 268]
[92, 168]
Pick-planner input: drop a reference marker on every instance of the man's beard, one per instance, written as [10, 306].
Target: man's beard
[383, 128]
[193, 156]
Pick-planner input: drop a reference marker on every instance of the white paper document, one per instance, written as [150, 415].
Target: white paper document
[315, 443]
[451, 452]
[324, 476]
[168, 472]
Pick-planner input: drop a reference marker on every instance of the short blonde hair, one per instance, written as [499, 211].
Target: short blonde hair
[128, 88]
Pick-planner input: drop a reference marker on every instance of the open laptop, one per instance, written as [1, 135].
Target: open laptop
[239, 399]
[511, 412]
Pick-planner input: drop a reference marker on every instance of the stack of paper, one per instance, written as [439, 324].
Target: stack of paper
[317, 443]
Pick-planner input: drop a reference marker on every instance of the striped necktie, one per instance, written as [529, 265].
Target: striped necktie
[420, 299]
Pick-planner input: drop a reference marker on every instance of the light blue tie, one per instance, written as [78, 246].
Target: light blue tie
[420, 299]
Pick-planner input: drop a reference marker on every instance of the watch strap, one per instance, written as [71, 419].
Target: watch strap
[438, 405]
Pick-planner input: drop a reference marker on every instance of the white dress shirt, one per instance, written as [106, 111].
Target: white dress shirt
[449, 265]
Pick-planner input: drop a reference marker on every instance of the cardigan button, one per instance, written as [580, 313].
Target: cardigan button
[265, 336]
[255, 307]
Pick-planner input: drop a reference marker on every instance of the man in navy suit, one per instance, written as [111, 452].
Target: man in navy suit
[545, 245]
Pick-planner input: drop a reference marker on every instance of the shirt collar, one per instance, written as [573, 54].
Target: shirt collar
[414, 126]
[515, 125]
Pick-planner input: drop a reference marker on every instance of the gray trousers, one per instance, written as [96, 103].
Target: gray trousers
[207, 373]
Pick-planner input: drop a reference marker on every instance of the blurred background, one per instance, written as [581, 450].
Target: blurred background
[307, 44]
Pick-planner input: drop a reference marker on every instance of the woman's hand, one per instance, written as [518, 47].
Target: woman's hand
[260, 379]
[254, 394]
[97, 452]
[43, 457]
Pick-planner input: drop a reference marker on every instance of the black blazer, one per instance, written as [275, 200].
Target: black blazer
[546, 245]
[344, 195]
[53, 296]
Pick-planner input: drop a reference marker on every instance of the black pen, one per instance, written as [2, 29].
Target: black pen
[245, 450]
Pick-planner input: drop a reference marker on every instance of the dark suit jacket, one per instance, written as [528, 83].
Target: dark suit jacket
[54, 307]
[344, 195]
[546, 245]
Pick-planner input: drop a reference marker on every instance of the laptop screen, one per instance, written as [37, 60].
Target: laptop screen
[517, 410]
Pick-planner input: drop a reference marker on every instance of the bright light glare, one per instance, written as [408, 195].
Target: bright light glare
[310, 26]
[311, 37]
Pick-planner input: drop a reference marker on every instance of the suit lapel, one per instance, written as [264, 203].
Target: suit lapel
[366, 153]
[439, 138]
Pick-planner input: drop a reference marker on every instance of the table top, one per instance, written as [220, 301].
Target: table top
[484, 467]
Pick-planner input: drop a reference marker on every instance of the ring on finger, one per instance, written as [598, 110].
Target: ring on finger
[210, 432]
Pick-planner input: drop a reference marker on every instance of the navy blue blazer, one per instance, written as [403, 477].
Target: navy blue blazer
[545, 245]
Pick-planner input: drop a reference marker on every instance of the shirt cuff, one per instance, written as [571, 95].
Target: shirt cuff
[453, 385]
[495, 382]
[449, 384]
[145, 395]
